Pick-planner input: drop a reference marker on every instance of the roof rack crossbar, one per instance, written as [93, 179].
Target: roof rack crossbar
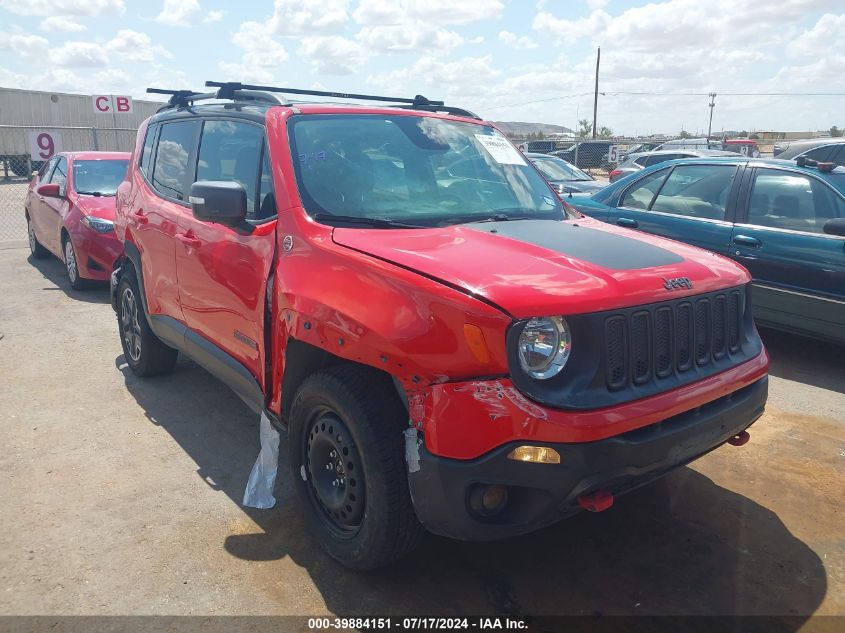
[228, 88]
[447, 109]
[180, 98]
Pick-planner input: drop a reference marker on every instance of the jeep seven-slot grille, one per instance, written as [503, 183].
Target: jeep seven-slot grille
[671, 337]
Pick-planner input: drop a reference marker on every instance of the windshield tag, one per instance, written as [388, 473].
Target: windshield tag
[502, 152]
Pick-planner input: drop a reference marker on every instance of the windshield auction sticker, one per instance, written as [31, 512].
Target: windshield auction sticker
[502, 152]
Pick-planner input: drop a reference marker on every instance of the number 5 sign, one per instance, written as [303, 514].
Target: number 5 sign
[613, 154]
[44, 143]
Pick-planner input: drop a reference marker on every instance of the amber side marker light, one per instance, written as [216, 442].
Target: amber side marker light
[535, 454]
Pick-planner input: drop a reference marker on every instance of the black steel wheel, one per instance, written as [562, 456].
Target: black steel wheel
[336, 476]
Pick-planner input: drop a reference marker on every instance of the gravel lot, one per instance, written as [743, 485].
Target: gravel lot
[122, 496]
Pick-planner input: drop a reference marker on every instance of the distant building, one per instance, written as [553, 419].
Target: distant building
[788, 136]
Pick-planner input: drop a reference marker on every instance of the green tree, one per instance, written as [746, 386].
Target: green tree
[605, 132]
[835, 131]
[685, 134]
[585, 128]
[743, 134]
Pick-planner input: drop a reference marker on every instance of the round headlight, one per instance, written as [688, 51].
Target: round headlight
[544, 347]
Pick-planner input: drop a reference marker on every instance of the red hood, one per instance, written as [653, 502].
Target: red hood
[544, 267]
[98, 206]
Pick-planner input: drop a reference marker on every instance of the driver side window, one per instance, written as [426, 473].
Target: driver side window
[639, 196]
[60, 175]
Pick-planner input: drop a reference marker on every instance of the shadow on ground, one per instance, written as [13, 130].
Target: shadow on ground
[682, 545]
[805, 360]
[54, 271]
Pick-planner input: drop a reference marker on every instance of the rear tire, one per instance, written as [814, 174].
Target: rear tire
[346, 441]
[38, 251]
[144, 352]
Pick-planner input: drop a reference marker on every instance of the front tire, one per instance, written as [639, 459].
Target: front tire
[38, 251]
[144, 352]
[76, 280]
[346, 454]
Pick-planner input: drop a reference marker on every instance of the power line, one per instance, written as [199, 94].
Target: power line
[672, 94]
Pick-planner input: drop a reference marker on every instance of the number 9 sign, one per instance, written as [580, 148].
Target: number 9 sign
[43, 144]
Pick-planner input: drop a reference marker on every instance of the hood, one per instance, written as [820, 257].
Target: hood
[547, 267]
[98, 206]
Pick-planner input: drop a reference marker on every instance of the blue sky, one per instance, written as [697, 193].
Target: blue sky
[522, 60]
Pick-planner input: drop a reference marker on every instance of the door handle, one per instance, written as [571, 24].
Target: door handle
[141, 217]
[628, 223]
[747, 240]
[188, 240]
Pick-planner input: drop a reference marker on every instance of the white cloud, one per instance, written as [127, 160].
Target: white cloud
[135, 46]
[78, 55]
[333, 55]
[379, 12]
[462, 77]
[25, 46]
[294, 17]
[443, 12]
[514, 41]
[178, 12]
[408, 36]
[262, 55]
[825, 36]
[213, 16]
[64, 7]
[58, 23]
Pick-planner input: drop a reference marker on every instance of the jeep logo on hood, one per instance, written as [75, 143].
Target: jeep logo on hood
[677, 282]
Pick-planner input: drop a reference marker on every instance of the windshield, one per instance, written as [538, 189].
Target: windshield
[98, 176]
[414, 170]
[558, 169]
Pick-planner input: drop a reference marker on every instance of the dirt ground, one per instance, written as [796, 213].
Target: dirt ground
[122, 496]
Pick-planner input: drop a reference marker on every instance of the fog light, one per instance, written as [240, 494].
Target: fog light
[488, 500]
[535, 454]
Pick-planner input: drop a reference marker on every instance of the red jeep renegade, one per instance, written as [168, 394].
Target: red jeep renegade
[446, 345]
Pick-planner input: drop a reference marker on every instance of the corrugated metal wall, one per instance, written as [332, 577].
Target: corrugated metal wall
[45, 109]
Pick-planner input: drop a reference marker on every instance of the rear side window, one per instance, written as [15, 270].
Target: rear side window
[822, 153]
[232, 150]
[147, 151]
[172, 168]
[639, 196]
[839, 156]
[788, 200]
[698, 191]
[45, 171]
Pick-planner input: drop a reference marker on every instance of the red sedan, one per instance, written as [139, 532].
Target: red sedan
[70, 212]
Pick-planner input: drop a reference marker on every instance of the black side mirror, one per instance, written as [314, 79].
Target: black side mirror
[836, 226]
[221, 201]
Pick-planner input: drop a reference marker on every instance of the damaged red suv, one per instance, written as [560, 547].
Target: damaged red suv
[445, 344]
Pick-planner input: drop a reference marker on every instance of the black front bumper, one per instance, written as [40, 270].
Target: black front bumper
[540, 494]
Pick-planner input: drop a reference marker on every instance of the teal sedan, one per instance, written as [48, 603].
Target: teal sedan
[784, 221]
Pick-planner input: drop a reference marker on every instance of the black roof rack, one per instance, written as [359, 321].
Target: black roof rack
[237, 91]
[419, 102]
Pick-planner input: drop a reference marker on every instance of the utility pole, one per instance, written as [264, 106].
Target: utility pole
[596, 95]
[712, 105]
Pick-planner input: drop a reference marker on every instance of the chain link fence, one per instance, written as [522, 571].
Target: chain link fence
[25, 149]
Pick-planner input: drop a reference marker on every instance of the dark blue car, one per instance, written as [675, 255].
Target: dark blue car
[783, 221]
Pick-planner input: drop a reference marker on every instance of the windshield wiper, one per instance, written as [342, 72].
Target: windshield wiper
[96, 194]
[379, 223]
[499, 217]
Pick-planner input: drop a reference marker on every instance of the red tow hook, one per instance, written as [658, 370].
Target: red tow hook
[740, 439]
[597, 501]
